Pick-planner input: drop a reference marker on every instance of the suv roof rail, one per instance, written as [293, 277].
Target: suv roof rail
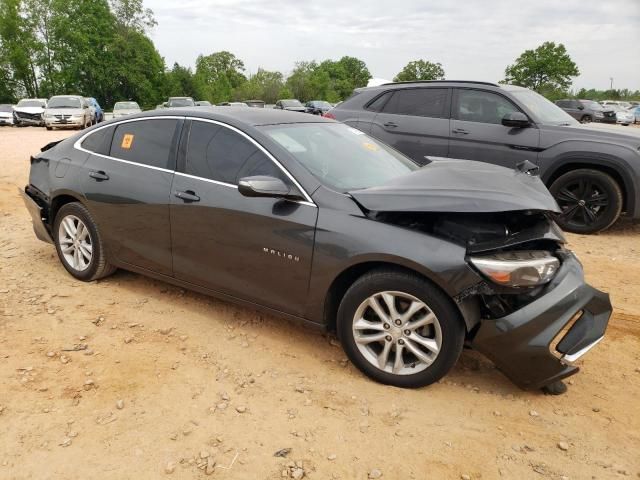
[443, 81]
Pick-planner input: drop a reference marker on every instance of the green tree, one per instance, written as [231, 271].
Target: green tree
[420, 70]
[180, 81]
[220, 74]
[264, 85]
[548, 68]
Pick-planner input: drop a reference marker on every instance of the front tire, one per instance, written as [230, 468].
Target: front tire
[590, 200]
[586, 119]
[399, 329]
[79, 244]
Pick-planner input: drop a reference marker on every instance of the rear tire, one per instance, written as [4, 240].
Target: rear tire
[586, 119]
[591, 200]
[49, 128]
[429, 340]
[79, 244]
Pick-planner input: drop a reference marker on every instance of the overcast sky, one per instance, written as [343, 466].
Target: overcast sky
[473, 39]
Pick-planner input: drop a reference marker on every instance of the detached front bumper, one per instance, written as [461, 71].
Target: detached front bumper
[536, 345]
[36, 212]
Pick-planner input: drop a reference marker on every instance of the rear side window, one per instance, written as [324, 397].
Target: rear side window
[147, 142]
[420, 102]
[99, 141]
[218, 153]
[379, 102]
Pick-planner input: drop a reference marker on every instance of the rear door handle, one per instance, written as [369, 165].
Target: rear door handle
[460, 131]
[390, 125]
[187, 196]
[99, 175]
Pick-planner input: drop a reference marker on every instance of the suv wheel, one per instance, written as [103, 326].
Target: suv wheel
[399, 329]
[590, 200]
[79, 244]
[586, 119]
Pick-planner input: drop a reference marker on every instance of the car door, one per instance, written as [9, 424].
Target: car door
[477, 132]
[570, 107]
[127, 185]
[416, 122]
[255, 249]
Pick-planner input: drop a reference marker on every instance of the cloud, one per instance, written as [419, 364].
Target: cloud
[475, 39]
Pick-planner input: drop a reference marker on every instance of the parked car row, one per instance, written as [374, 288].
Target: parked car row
[587, 111]
[61, 111]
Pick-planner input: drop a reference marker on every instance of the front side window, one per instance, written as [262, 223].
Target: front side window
[419, 102]
[340, 156]
[483, 107]
[221, 154]
[147, 142]
[379, 102]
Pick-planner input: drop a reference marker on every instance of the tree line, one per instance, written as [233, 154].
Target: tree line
[100, 48]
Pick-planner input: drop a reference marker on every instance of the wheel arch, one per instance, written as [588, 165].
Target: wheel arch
[60, 199]
[611, 168]
[349, 275]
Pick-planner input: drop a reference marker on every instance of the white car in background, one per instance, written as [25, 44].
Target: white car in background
[6, 114]
[122, 109]
[623, 116]
[29, 111]
[64, 111]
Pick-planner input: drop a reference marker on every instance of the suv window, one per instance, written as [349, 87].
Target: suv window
[379, 102]
[147, 142]
[99, 141]
[218, 153]
[563, 103]
[420, 102]
[482, 106]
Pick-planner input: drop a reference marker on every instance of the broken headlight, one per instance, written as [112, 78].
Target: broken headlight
[525, 268]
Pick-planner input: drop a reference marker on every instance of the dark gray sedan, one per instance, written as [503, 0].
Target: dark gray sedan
[316, 221]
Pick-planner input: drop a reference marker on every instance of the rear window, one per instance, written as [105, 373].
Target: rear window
[147, 142]
[99, 141]
[419, 102]
[379, 102]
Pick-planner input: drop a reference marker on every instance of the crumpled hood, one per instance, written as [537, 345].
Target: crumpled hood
[459, 186]
[30, 110]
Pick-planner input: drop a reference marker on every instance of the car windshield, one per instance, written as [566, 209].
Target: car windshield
[238, 104]
[291, 103]
[340, 156]
[64, 102]
[322, 104]
[181, 102]
[6, 108]
[546, 112]
[126, 106]
[591, 105]
[30, 103]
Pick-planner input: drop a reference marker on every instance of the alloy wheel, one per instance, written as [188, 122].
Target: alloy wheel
[582, 202]
[397, 333]
[75, 242]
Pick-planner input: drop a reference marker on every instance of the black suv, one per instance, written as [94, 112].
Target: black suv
[586, 111]
[594, 174]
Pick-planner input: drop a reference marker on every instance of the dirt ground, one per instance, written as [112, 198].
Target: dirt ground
[179, 385]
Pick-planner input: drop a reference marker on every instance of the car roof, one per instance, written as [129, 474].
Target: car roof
[239, 115]
[440, 83]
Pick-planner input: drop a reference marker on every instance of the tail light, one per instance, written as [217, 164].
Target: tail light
[329, 115]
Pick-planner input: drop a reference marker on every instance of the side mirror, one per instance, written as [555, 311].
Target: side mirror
[263, 186]
[515, 120]
[165, 104]
[580, 107]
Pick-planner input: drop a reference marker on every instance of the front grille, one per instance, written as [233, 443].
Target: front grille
[62, 117]
[29, 116]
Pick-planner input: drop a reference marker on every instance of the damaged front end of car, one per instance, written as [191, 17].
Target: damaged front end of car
[532, 313]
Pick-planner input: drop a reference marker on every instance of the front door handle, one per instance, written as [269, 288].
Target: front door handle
[460, 131]
[187, 196]
[390, 125]
[99, 175]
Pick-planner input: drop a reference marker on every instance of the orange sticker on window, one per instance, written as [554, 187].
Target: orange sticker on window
[127, 141]
[370, 146]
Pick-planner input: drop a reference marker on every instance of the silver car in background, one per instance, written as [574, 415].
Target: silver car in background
[67, 111]
[623, 115]
[122, 109]
[6, 114]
